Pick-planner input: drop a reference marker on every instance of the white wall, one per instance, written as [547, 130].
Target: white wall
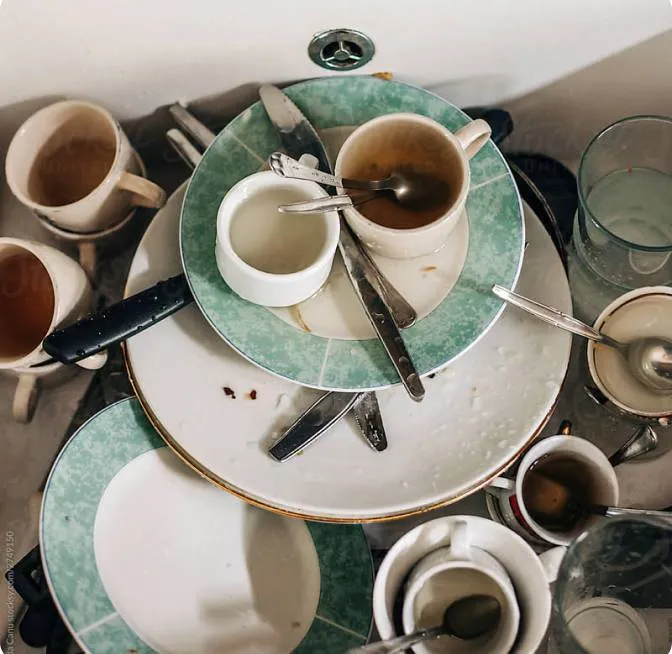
[561, 118]
[133, 55]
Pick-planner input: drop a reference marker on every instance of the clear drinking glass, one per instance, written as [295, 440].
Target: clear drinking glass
[613, 594]
[622, 237]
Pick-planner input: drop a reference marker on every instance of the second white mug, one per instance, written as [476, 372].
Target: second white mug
[507, 497]
[41, 289]
[72, 163]
[453, 572]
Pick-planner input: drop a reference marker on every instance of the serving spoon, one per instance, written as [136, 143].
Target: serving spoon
[649, 359]
[412, 190]
[466, 618]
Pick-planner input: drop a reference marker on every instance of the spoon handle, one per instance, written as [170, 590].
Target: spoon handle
[552, 316]
[399, 644]
[614, 511]
[320, 205]
[285, 166]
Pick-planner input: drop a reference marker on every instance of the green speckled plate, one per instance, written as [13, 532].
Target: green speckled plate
[494, 256]
[142, 555]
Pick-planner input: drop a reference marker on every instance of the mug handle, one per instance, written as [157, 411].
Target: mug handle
[460, 543]
[145, 193]
[94, 362]
[551, 560]
[25, 398]
[474, 136]
[502, 483]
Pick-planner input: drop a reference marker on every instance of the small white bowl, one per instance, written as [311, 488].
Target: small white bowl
[273, 289]
[637, 314]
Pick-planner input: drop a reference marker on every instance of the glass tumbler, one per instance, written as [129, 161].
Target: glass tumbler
[613, 594]
[622, 237]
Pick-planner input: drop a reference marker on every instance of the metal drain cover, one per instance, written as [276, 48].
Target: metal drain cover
[341, 49]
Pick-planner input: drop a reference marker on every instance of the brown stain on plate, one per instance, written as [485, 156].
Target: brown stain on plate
[295, 310]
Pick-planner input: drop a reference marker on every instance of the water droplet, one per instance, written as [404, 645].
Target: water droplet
[488, 454]
[404, 484]
[502, 444]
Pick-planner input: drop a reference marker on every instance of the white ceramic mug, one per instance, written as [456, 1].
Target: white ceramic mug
[450, 573]
[506, 502]
[637, 314]
[269, 288]
[41, 275]
[55, 129]
[529, 573]
[450, 152]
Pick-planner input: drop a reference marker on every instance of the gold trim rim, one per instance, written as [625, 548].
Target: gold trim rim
[218, 481]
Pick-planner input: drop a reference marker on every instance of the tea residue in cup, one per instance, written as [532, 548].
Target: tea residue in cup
[64, 173]
[26, 304]
[274, 242]
[406, 146]
[574, 476]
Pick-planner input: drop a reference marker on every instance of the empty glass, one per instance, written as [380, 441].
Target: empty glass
[613, 594]
[622, 236]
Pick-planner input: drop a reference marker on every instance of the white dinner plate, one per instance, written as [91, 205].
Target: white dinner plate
[478, 414]
[142, 555]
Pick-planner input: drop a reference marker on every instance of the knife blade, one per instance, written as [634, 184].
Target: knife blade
[299, 137]
[319, 417]
[370, 421]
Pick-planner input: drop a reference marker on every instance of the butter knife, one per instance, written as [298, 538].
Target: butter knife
[322, 415]
[299, 137]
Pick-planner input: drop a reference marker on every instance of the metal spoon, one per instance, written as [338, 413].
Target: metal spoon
[412, 190]
[649, 359]
[322, 205]
[554, 501]
[467, 618]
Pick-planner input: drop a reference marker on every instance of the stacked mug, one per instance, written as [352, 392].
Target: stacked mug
[74, 168]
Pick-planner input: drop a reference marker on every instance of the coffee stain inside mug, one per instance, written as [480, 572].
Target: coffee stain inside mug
[573, 475]
[65, 172]
[404, 146]
[26, 304]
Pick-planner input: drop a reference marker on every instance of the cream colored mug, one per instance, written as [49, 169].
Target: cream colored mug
[41, 289]
[72, 164]
[383, 144]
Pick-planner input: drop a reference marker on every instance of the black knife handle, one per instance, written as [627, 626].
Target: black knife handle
[118, 322]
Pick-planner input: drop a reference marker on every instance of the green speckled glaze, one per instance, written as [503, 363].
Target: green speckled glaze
[496, 238]
[86, 466]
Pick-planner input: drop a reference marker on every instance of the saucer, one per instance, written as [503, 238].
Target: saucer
[478, 415]
[466, 308]
[143, 555]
